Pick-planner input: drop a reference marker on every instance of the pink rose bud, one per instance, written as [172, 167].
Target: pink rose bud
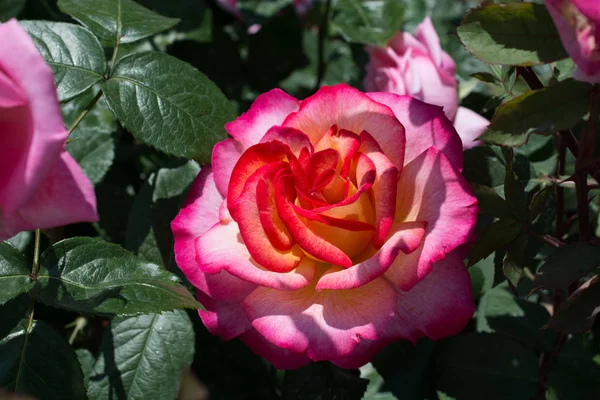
[417, 66]
[329, 227]
[41, 185]
[578, 23]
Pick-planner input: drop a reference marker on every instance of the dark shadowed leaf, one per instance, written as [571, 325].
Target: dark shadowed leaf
[325, 381]
[158, 202]
[368, 22]
[490, 202]
[86, 361]
[541, 111]
[496, 368]
[73, 52]
[515, 34]
[142, 357]
[514, 191]
[539, 201]
[96, 277]
[12, 312]
[496, 302]
[566, 264]
[116, 21]
[10, 9]
[168, 104]
[92, 143]
[578, 313]
[40, 363]
[14, 273]
[499, 234]
[21, 240]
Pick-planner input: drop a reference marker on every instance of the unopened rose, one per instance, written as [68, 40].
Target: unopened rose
[328, 227]
[417, 66]
[578, 23]
[41, 185]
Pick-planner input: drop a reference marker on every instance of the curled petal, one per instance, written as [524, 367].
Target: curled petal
[406, 238]
[224, 157]
[269, 109]
[295, 139]
[323, 325]
[222, 248]
[330, 106]
[432, 190]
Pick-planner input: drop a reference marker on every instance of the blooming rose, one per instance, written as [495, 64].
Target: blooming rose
[41, 185]
[578, 23]
[417, 66]
[328, 227]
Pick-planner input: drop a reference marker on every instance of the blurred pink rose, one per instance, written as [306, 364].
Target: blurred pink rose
[327, 228]
[41, 185]
[578, 23]
[231, 6]
[417, 66]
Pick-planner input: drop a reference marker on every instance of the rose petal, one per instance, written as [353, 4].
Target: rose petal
[469, 126]
[221, 318]
[280, 358]
[224, 157]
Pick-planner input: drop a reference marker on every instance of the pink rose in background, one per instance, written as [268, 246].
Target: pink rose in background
[327, 228]
[578, 23]
[417, 66]
[41, 185]
[231, 6]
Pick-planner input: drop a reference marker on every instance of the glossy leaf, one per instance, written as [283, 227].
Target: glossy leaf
[40, 363]
[579, 312]
[92, 276]
[541, 111]
[168, 104]
[496, 368]
[513, 34]
[12, 312]
[368, 22]
[499, 235]
[142, 357]
[73, 52]
[92, 143]
[14, 273]
[117, 21]
[566, 264]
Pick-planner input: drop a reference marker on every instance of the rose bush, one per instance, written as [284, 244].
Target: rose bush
[578, 23]
[328, 227]
[41, 185]
[417, 66]
[231, 6]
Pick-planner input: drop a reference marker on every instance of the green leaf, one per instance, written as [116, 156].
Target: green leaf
[514, 34]
[514, 191]
[496, 302]
[496, 368]
[539, 201]
[482, 276]
[168, 104]
[368, 22]
[12, 312]
[14, 273]
[21, 240]
[116, 21]
[142, 357]
[578, 313]
[92, 144]
[566, 264]
[323, 380]
[149, 227]
[490, 202]
[86, 361]
[40, 363]
[259, 11]
[540, 111]
[499, 235]
[514, 260]
[73, 52]
[92, 276]
[10, 9]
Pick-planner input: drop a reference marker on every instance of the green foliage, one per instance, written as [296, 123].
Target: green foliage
[73, 52]
[535, 112]
[578, 313]
[324, 381]
[116, 21]
[566, 264]
[142, 357]
[94, 277]
[513, 34]
[369, 22]
[38, 362]
[168, 104]
[14, 274]
[10, 9]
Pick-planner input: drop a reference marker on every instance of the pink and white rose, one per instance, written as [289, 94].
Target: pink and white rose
[578, 23]
[328, 227]
[41, 185]
[417, 66]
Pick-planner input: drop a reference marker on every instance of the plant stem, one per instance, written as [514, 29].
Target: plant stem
[85, 112]
[323, 29]
[36, 255]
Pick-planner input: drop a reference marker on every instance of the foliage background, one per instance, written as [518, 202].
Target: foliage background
[141, 181]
